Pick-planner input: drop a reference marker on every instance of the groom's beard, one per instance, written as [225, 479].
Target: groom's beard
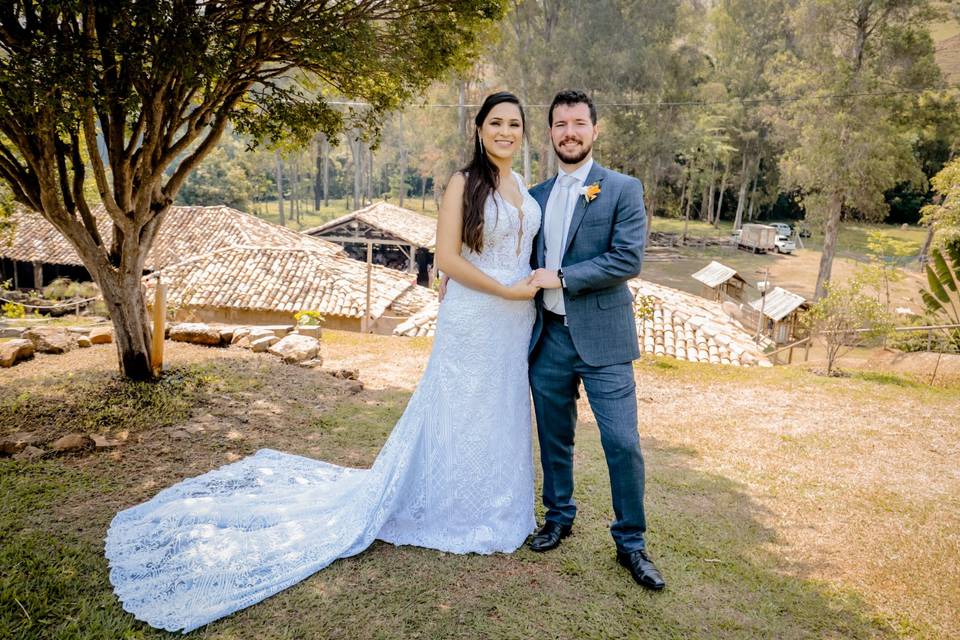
[576, 156]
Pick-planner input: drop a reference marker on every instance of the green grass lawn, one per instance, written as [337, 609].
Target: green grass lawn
[781, 504]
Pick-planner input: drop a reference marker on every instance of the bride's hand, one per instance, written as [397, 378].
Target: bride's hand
[523, 290]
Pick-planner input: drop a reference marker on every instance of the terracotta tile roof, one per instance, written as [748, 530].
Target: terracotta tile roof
[403, 224]
[413, 300]
[779, 304]
[186, 231]
[688, 327]
[683, 326]
[285, 279]
[423, 323]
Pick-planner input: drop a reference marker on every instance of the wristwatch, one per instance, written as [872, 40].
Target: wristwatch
[563, 285]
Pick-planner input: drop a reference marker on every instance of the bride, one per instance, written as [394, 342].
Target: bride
[455, 474]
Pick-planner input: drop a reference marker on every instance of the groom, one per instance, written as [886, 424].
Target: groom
[590, 243]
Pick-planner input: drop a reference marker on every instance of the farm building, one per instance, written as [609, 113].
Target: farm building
[781, 310]
[721, 282]
[34, 253]
[394, 237]
[268, 285]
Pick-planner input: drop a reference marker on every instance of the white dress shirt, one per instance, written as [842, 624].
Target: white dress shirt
[556, 225]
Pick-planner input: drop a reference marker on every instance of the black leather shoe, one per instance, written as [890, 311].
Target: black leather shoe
[642, 569]
[549, 536]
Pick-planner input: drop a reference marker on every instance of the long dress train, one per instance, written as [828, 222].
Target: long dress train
[455, 473]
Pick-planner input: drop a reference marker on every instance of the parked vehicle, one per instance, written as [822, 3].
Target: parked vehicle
[783, 229]
[803, 231]
[783, 244]
[758, 238]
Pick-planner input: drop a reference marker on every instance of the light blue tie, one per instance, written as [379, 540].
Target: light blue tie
[553, 239]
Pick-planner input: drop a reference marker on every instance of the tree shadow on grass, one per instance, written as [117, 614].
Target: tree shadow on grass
[725, 581]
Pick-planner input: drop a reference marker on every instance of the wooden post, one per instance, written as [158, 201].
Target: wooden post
[159, 317]
[412, 268]
[366, 324]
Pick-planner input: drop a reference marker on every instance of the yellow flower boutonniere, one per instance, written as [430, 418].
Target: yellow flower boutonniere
[590, 191]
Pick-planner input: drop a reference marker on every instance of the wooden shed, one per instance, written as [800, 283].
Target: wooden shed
[387, 235]
[721, 282]
[781, 311]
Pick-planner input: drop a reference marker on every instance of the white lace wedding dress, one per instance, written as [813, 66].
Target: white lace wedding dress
[455, 474]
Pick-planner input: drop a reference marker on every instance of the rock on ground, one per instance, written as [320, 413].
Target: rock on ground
[101, 335]
[260, 345]
[14, 351]
[51, 339]
[71, 442]
[295, 348]
[196, 333]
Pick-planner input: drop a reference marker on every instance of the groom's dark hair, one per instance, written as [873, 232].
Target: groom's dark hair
[568, 98]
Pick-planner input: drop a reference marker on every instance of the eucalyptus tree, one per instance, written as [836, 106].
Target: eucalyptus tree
[852, 68]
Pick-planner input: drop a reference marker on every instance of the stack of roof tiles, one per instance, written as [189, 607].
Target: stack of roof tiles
[422, 323]
[688, 327]
[185, 232]
[682, 326]
[289, 279]
[403, 224]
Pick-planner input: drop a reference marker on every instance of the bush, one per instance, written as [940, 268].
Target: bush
[13, 310]
[65, 288]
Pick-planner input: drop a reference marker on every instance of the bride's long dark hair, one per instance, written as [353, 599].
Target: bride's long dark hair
[482, 176]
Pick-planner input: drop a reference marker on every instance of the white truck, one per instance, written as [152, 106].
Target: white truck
[758, 238]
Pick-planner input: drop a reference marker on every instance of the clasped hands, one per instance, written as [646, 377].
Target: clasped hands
[525, 289]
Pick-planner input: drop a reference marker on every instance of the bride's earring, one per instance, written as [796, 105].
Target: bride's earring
[480, 140]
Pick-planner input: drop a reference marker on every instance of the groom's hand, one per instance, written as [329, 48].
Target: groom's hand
[546, 279]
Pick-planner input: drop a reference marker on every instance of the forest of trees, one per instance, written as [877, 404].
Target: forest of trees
[828, 110]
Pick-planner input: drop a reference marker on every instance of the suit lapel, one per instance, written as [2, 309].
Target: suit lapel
[542, 194]
[596, 175]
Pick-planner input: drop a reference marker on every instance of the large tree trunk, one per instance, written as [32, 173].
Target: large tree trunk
[123, 296]
[279, 186]
[403, 167]
[753, 189]
[742, 195]
[723, 190]
[710, 190]
[830, 232]
[325, 144]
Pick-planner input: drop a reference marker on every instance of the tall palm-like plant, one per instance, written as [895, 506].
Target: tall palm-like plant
[942, 296]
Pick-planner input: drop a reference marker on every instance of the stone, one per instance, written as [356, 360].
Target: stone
[239, 334]
[312, 330]
[279, 330]
[261, 332]
[312, 363]
[345, 374]
[102, 442]
[196, 333]
[51, 339]
[29, 453]
[226, 335]
[14, 351]
[10, 332]
[260, 345]
[17, 442]
[79, 331]
[84, 342]
[101, 335]
[230, 456]
[354, 386]
[295, 348]
[71, 442]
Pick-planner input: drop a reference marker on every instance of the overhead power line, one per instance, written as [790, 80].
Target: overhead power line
[687, 103]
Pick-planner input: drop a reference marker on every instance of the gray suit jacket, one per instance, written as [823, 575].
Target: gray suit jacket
[604, 249]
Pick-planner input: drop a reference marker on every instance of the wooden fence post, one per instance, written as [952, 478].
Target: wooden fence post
[159, 318]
